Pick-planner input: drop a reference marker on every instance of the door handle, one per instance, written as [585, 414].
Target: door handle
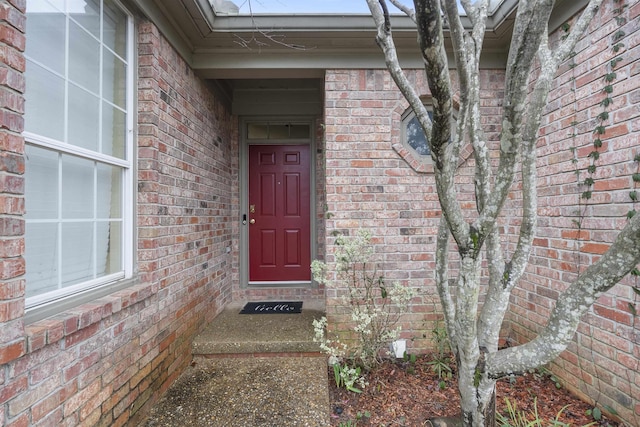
[252, 221]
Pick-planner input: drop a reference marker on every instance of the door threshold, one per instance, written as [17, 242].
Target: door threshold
[284, 284]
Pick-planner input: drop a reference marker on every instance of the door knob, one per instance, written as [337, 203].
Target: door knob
[252, 221]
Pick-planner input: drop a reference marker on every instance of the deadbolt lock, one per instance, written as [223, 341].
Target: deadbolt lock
[252, 208]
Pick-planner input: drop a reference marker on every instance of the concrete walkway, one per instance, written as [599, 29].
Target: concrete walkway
[251, 370]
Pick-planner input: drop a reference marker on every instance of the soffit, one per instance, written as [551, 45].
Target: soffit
[303, 46]
[291, 45]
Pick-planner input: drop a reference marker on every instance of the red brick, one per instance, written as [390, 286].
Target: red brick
[11, 120]
[80, 366]
[9, 352]
[612, 184]
[595, 248]
[12, 37]
[12, 267]
[11, 205]
[20, 5]
[12, 389]
[82, 335]
[8, 141]
[36, 338]
[73, 403]
[12, 290]
[13, 16]
[13, 79]
[20, 421]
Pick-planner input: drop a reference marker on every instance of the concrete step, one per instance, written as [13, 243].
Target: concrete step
[237, 334]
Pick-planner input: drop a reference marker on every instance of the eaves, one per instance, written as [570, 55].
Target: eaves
[218, 46]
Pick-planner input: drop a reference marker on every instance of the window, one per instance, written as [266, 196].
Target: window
[413, 136]
[265, 130]
[78, 130]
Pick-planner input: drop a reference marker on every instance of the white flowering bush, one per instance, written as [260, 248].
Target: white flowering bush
[374, 307]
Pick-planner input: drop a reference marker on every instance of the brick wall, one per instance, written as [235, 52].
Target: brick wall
[603, 361]
[373, 183]
[12, 85]
[106, 362]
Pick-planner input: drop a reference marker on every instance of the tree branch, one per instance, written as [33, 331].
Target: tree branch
[438, 130]
[617, 262]
[529, 31]
[442, 278]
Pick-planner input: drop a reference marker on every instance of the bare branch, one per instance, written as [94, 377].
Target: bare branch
[617, 262]
[442, 278]
[406, 10]
[529, 31]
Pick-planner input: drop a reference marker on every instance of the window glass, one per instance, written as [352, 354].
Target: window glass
[44, 102]
[77, 188]
[415, 137]
[114, 84]
[84, 59]
[77, 252]
[300, 131]
[84, 116]
[115, 28]
[42, 256]
[86, 13]
[257, 131]
[77, 173]
[109, 192]
[114, 131]
[109, 235]
[42, 185]
[278, 131]
[46, 40]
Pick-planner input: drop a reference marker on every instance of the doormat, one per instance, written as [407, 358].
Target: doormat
[272, 307]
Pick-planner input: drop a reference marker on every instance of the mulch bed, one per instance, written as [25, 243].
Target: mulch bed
[408, 394]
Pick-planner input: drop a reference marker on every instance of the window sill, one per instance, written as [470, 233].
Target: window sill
[42, 330]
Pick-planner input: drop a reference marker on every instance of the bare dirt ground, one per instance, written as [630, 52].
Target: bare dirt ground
[408, 394]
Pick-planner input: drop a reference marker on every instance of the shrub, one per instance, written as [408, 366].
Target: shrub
[374, 307]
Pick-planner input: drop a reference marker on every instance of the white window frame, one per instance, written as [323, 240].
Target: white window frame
[39, 306]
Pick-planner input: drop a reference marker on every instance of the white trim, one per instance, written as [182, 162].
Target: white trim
[55, 145]
[38, 300]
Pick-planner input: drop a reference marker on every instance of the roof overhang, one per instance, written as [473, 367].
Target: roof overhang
[218, 44]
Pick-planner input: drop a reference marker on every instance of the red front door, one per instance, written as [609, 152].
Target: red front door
[279, 213]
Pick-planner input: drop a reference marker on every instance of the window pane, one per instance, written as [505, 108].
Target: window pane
[41, 258]
[114, 131]
[278, 131]
[41, 183]
[109, 244]
[84, 58]
[300, 131]
[416, 137]
[114, 84]
[77, 252]
[84, 114]
[109, 197]
[86, 13]
[257, 131]
[45, 43]
[115, 28]
[44, 102]
[77, 187]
